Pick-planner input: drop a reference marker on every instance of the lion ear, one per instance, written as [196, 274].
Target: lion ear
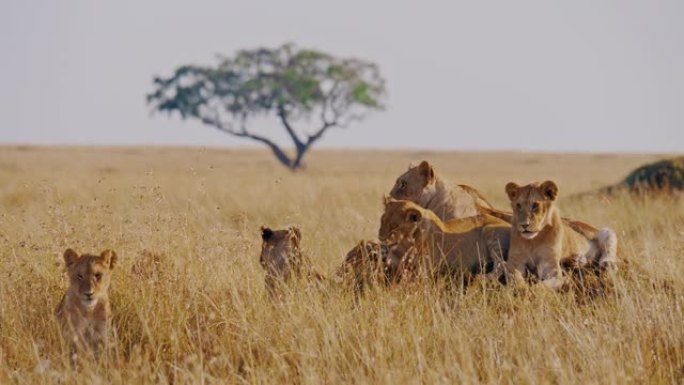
[413, 215]
[550, 190]
[70, 257]
[426, 171]
[266, 233]
[512, 190]
[108, 257]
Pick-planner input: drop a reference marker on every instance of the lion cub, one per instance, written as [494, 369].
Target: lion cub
[364, 264]
[84, 312]
[282, 257]
[541, 241]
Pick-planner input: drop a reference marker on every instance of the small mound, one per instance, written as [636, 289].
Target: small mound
[663, 176]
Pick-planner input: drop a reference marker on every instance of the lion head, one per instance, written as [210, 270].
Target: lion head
[403, 214]
[401, 259]
[417, 184]
[364, 264]
[532, 205]
[89, 275]
[280, 251]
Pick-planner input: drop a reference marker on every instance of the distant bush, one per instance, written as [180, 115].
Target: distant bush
[663, 176]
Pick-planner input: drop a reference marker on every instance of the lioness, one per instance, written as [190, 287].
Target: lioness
[541, 240]
[421, 185]
[84, 312]
[465, 246]
[282, 258]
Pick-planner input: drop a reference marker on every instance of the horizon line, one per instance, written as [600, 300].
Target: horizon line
[246, 147]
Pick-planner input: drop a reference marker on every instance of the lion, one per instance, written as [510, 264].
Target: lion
[364, 265]
[282, 257]
[84, 313]
[419, 240]
[403, 257]
[421, 185]
[541, 241]
[582, 228]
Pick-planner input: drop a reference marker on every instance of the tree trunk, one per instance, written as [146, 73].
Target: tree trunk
[297, 164]
[293, 164]
[281, 156]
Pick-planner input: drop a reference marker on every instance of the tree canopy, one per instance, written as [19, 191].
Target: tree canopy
[288, 83]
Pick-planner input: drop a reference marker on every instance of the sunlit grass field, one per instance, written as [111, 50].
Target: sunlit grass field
[203, 316]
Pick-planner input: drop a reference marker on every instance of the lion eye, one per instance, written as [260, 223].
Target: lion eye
[402, 184]
[535, 206]
[80, 277]
[98, 276]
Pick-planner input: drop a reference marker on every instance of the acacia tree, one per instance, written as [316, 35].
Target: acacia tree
[290, 84]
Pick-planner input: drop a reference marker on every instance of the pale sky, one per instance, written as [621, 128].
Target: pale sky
[580, 75]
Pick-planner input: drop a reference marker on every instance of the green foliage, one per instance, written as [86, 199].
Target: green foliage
[286, 80]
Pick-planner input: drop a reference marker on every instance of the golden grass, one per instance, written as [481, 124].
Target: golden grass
[204, 316]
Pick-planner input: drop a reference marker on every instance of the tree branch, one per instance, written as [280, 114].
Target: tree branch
[351, 118]
[283, 119]
[243, 133]
[328, 100]
[317, 135]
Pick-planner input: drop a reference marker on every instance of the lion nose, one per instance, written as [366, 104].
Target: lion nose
[525, 226]
[89, 294]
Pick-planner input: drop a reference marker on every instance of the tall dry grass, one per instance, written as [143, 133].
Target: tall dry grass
[203, 316]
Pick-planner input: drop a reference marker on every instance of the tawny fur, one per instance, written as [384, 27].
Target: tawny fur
[582, 228]
[364, 264]
[282, 257]
[541, 241]
[458, 246]
[84, 312]
[421, 185]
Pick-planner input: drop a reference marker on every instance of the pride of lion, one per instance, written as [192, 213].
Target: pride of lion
[428, 229]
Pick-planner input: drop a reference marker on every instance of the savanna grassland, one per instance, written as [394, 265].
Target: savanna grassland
[194, 309]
